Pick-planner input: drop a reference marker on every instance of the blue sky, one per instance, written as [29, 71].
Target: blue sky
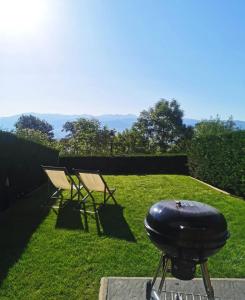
[98, 57]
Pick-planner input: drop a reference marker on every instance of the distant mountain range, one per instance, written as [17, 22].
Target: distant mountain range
[117, 122]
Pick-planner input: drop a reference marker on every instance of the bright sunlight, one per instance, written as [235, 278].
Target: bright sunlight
[22, 17]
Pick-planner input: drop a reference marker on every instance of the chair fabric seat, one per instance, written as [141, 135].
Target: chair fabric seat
[58, 179]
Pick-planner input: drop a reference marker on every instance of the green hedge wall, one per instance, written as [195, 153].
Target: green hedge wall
[20, 162]
[220, 161]
[168, 164]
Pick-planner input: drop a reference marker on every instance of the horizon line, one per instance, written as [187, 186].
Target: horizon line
[100, 115]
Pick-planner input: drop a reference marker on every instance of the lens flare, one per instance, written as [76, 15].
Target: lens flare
[18, 17]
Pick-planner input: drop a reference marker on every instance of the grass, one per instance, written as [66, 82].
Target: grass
[48, 255]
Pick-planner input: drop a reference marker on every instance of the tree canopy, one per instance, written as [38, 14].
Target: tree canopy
[34, 123]
[161, 126]
[214, 126]
[86, 137]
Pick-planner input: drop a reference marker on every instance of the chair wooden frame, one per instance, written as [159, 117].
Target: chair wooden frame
[67, 183]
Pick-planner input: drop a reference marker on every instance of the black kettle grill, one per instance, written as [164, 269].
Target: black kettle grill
[187, 233]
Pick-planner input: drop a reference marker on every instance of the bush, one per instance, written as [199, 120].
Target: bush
[220, 160]
[20, 170]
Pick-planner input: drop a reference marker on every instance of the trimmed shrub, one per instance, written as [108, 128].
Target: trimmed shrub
[169, 164]
[220, 161]
[20, 170]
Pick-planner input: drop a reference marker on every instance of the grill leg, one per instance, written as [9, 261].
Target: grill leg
[150, 293]
[207, 282]
[165, 268]
[161, 262]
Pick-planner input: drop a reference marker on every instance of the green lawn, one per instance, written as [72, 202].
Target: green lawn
[48, 255]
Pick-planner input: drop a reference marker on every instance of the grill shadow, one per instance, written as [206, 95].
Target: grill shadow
[114, 224]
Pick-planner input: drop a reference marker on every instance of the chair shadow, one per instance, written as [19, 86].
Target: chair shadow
[114, 224]
[69, 216]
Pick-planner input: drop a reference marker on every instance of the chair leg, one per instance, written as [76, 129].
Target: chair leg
[53, 196]
[111, 196]
[96, 216]
[85, 216]
[71, 192]
[95, 211]
[61, 199]
[76, 193]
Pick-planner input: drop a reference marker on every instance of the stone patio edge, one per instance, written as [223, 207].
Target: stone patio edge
[105, 280]
[104, 287]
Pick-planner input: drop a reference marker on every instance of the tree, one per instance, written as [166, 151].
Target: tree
[184, 142]
[214, 127]
[34, 123]
[129, 142]
[86, 137]
[161, 126]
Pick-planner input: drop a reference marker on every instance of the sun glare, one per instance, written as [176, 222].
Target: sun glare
[19, 17]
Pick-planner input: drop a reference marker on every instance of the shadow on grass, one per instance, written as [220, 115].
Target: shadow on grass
[17, 224]
[114, 224]
[69, 217]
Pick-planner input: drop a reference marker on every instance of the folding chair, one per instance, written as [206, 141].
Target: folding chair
[92, 181]
[61, 180]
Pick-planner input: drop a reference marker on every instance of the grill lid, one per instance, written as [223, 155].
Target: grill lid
[187, 223]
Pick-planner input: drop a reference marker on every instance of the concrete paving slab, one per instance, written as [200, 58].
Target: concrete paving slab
[134, 288]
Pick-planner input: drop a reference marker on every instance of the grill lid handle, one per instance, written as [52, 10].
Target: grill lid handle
[178, 204]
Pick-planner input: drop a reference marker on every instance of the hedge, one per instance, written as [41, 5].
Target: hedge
[174, 164]
[20, 170]
[220, 161]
